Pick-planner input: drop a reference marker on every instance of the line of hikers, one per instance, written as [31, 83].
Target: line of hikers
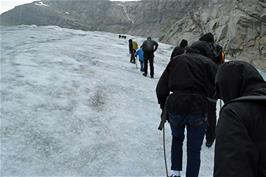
[187, 92]
[145, 54]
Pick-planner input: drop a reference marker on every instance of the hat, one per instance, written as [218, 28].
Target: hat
[208, 37]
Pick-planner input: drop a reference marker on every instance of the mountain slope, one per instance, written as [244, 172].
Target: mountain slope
[238, 25]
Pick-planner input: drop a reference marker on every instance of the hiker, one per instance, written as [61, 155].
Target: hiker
[179, 49]
[133, 46]
[240, 148]
[190, 80]
[149, 47]
[140, 53]
[218, 58]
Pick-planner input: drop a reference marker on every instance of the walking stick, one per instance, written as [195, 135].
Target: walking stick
[161, 127]
[164, 153]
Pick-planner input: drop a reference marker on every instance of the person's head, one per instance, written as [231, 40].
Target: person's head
[149, 38]
[202, 48]
[183, 43]
[208, 37]
[130, 40]
[238, 78]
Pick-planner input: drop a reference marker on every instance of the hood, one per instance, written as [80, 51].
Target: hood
[208, 37]
[201, 47]
[238, 78]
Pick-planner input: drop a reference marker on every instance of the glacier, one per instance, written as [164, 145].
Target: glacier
[73, 105]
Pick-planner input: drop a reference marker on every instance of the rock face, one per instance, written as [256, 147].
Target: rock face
[238, 25]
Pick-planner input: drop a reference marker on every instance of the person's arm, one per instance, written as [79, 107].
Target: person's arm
[156, 46]
[136, 53]
[235, 153]
[173, 53]
[162, 90]
[212, 69]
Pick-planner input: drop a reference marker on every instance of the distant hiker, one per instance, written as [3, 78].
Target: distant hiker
[119, 36]
[133, 46]
[149, 47]
[182, 92]
[140, 54]
[215, 54]
[179, 49]
[240, 148]
[216, 50]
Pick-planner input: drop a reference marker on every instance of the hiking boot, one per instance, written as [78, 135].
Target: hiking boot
[209, 144]
[144, 74]
[174, 176]
[152, 77]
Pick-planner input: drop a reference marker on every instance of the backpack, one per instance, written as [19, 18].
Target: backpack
[135, 45]
[148, 46]
[218, 53]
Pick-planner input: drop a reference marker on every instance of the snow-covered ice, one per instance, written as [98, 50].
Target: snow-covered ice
[73, 105]
[40, 3]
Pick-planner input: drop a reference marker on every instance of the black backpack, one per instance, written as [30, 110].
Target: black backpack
[148, 46]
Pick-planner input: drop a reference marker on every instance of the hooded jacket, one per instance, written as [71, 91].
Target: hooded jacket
[190, 79]
[179, 50]
[240, 148]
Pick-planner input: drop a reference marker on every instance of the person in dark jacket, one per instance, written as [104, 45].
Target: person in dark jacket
[190, 80]
[240, 149]
[210, 132]
[179, 49]
[149, 47]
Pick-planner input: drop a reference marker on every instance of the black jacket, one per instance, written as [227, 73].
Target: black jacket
[190, 78]
[240, 148]
[149, 46]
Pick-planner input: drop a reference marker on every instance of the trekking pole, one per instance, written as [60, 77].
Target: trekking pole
[164, 116]
[164, 152]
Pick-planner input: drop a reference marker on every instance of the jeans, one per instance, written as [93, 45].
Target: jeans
[196, 126]
[141, 65]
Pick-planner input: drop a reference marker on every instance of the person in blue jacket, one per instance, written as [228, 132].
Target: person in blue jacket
[140, 53]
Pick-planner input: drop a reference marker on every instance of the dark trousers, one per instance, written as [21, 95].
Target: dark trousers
[196, 127]
[210, 133]
[148, 57]
[132, 58]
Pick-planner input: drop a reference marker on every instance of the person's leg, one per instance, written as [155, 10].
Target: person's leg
[141, 66]
[195, 135]
[177, 128]
[145, 65]
[151, 66]
[210, 133]
[132, 57]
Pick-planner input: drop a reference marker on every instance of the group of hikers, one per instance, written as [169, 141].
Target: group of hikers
[187, 92]
[145, 54]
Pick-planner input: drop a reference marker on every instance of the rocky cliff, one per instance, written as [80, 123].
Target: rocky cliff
[238, 25]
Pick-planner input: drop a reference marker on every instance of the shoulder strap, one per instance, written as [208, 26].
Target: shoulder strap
[247, 98]
[250, 98]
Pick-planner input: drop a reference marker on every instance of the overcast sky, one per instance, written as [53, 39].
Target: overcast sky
[10, 4]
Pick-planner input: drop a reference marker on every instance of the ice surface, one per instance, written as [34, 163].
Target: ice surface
[73, 105]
